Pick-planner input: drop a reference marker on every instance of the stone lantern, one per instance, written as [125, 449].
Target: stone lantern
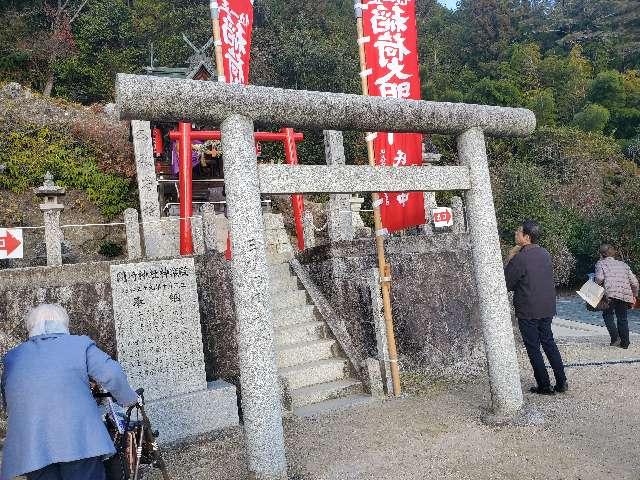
[51, 209]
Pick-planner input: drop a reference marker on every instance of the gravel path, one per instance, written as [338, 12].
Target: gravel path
[592, 432]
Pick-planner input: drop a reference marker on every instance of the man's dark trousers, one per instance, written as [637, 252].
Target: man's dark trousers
[536, 332]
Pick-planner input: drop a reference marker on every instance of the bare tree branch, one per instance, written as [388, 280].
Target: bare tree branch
[75, 15]
[63, 7]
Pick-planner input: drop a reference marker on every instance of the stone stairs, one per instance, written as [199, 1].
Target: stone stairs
[317, 377]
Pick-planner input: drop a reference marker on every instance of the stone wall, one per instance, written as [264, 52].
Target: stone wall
[434, 301]
[85, 291]
[217, 316]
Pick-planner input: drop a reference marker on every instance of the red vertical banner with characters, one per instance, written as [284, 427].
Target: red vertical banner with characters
[391, 51]
[236, 24]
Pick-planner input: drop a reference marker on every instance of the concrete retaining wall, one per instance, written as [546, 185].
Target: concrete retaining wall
[433, 298]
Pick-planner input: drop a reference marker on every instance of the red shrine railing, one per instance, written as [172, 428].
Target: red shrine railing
[185, 135]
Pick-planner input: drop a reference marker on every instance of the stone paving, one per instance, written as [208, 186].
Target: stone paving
[573, 308]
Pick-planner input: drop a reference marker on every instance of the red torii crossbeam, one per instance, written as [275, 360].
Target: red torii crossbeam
[185, 135]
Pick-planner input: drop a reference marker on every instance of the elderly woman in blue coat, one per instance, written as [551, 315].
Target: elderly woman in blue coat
[55, 430]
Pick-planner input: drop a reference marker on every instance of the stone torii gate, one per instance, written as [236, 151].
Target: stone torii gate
[236, 108]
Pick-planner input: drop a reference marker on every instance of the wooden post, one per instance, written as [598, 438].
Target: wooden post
[383, 267]
[219, 59]
[217, 41]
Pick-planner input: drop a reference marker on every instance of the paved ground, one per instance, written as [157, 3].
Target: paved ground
[573, 308]
[590, 433]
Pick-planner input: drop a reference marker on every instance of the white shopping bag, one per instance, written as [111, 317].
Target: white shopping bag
[591, 293]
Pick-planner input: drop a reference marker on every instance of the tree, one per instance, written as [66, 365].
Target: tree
[593, 118]
[61, 15]
[569, 78]
[488, 30]
[606, 29]
[631, 80]
[543, 104]
[607, 89]
[625, 122]
[496, 92]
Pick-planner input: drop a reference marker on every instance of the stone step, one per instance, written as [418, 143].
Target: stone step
[283, 284]
[304, 352]
[280, 270]
[313, 373]
[285, 300]
[278, 258]
[301, 332]
[294, 316]
[329, 406]
[325, 391]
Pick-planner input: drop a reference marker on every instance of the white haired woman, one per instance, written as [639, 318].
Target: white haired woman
[55, 430]
[621, 288]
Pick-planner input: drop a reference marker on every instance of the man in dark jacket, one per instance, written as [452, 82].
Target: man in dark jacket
[529, 274]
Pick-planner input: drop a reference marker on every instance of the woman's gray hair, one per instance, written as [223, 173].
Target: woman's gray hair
[47, 318]
[607, 250]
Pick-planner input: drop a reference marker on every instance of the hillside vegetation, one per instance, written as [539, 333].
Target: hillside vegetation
[575, 63]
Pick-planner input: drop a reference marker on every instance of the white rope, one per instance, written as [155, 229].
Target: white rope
[115, 224]
[366, 73]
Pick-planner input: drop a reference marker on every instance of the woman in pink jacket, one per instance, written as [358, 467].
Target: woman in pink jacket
[621, 288]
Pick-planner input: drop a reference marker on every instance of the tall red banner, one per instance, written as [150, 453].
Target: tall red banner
[236, 23]
[391, 51]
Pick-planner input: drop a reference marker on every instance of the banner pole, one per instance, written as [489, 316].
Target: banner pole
[219, 59]
[217, 40]
[383, 267]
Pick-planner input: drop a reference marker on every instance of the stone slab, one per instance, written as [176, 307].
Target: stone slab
[147, 187]
[184, 416]
[170, 100]
[283, 179]
[339, 215]
[157, 322]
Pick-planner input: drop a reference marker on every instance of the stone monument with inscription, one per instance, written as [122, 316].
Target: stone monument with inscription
[159, 344]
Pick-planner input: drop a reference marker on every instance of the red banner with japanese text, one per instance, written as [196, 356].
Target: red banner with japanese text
[391, 51]
[236, 23]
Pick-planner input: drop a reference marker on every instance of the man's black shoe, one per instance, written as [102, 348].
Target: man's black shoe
[615, 343]
[542, 391]
[562, 388]
[624, 345]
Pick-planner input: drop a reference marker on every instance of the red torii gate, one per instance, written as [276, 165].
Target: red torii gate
[184, 135]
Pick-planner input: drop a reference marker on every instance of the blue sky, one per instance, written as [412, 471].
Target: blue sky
[448, 3]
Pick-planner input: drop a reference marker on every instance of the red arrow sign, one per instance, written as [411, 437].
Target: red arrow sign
[442, 217]
[9, 243]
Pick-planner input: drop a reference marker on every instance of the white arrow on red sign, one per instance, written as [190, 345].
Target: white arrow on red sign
[442, 217]
[11, 243]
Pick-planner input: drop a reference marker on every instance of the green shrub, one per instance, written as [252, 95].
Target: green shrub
[29, 153]
[110, 249]
[592, 118]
